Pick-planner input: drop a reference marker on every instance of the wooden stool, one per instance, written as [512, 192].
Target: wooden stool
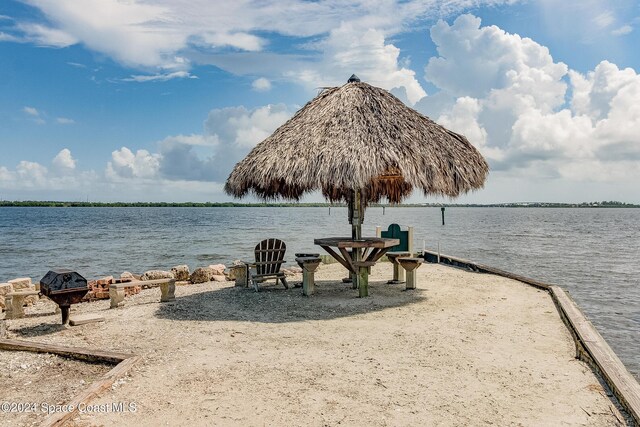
[301, 265]
[410, 265]
[309, 266]
[240, 273]
[398, 272]
[305, 255]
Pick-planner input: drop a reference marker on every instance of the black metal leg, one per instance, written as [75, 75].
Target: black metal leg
[65, 313]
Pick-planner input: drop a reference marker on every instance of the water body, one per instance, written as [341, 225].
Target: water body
[593, 253]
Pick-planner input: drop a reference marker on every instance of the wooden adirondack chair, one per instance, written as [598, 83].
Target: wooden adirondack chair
[269, 259]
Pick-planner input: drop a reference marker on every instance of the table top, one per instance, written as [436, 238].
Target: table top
[365, 242]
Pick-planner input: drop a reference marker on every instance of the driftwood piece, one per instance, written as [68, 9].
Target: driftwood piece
[59, 418]
[82, 319]
[73, 352]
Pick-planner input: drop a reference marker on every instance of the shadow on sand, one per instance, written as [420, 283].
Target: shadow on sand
[274, 304]
[40, 330]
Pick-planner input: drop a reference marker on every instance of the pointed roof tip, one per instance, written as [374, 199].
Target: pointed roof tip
[353, 79]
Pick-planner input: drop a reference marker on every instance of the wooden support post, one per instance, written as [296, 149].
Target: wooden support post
[398, 273]
[442, 210]
[354, 280]
[363, 282]
[358, 215]
[410, 242]
[411, 279]
[308, 278]
[308, 282]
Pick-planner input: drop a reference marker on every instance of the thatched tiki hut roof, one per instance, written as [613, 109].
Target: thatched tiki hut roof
[358, 137]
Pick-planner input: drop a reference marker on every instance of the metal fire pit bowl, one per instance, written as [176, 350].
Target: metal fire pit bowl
[64, 287]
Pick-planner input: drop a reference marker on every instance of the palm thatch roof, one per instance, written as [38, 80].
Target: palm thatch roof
[359, 137]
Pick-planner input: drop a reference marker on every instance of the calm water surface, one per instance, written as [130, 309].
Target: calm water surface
[593, 253]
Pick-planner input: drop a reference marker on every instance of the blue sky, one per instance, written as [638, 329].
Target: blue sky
[157, 100]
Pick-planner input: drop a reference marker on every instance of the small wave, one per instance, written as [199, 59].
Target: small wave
[211, 257]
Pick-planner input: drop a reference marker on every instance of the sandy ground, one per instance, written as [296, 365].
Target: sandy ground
[37, 383]
[463, 349]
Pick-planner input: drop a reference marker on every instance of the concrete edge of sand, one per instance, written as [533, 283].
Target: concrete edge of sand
[591, 347]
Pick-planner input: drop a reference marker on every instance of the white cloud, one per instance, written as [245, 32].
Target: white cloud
[463, 117]
[240, 40]
[476, 61]
[531, 116]
[554, 136]
[349, 50]
[155, 34]
[228, 136]
[46, 36]
[4, 37]
[34, 114]
[31, 111]
[31, 180]
[245, 128]
[261, 84]
[65, 121]
[33, 177]
[512, 100]
[38, 116]
[193, 139]
[125, 164]
[624, 30]
[64, 161]
[604, 19]
[160, 77]
[133, 33]
[185, 167]
[593, 93]
[31, 174]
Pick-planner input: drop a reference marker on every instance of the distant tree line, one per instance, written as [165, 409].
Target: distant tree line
[54, 204]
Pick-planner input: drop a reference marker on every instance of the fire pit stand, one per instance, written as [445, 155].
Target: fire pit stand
[64, 287]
